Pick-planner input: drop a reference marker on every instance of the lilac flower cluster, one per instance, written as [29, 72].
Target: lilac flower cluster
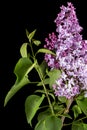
[71, 54]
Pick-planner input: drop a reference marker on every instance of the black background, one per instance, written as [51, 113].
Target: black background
[15, 18]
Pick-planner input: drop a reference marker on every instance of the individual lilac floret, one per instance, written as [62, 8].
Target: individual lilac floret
[71, 54]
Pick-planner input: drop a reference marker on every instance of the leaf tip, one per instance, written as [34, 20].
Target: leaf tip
[5, 102]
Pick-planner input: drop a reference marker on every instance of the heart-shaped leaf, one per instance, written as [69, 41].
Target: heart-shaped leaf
[32, 104]
[22, 68]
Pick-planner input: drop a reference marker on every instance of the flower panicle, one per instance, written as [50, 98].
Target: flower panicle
[71, 53]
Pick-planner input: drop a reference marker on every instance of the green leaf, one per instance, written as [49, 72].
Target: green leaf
[32, 104]
[53, 122]
[31, 35]
[27, 33]
[76, 109]
[43, 67]
[40, 125]
[15, 88]
[85, 126]
[52, 95]
[22, 68]
[54, 75]
[23, 50]
[49, 123]
[44, 114]
[58, 107]
[67, 115]
[77, 125]
[42, 91]
[82, 104]
[80, 96]
[62, 99]
[37, 42]
[43, 50]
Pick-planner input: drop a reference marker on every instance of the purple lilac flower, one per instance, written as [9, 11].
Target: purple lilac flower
[71, 54]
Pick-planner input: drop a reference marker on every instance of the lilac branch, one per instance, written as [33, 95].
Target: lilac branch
[67, 109]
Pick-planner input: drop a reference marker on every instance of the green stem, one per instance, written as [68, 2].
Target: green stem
[34, 82]
[67, 124]
[76, 120]
[41, 77]
[43, 107]
[82, 118]
[32, 50]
